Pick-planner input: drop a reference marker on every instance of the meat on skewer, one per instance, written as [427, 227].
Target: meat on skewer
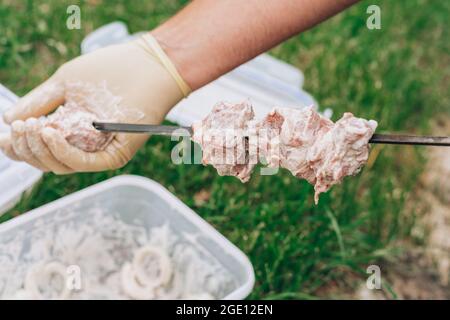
[304, 142]
[222, 136]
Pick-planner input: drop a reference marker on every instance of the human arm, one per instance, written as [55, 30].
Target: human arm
[211, 37]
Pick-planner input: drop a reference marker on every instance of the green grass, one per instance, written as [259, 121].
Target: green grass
[398, 75]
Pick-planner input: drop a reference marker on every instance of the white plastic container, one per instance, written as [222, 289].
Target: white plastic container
[111, 33]
[244, 83]
[265, 81]
[135, 201]
[15, 177]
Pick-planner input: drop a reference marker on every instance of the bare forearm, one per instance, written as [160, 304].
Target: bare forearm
[211, 37]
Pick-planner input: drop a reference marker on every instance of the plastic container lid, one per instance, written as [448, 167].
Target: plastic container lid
[15, 177]
[133, 200]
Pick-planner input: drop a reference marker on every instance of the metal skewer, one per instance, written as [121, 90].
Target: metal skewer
[140, 128]
[411, 140]
[178, 130]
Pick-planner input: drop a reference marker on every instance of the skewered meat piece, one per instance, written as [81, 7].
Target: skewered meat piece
[75, 124]
[222, 136]
[341, 152]
[286, 136]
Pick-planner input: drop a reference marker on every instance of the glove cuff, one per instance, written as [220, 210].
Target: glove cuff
[152, 47]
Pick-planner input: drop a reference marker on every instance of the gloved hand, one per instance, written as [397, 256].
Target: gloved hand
[133, 82]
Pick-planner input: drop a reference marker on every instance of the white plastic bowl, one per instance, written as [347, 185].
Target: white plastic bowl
[131, 199]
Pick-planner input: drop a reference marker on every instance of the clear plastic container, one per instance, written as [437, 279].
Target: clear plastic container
[15, 177]
[133, 201]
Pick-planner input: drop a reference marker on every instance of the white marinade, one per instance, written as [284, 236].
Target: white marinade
[103, 247]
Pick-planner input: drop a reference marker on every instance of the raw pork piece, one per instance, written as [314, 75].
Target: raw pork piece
[286, 136]
[311, 147]
[222, 136]
[341, 152]
[75, 124]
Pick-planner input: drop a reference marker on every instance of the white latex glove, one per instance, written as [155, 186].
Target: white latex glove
[133, 82]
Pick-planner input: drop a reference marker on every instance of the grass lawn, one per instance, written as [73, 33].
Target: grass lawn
[398, 75]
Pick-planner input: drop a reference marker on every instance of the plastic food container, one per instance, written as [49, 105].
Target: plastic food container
[15, 177]
[265, 81]
[125, 200]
